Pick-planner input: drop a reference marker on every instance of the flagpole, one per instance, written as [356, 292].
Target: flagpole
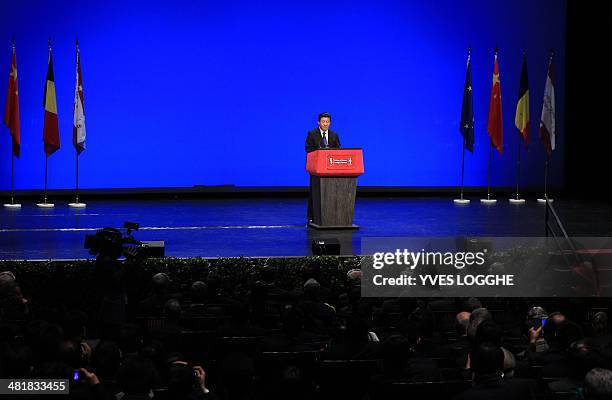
[545, 198]
[12, 205]
[489, 174]
[13, 159]
[77, 204]
[517, 200]
[489, 200]
[77, 178]
[46, 169]
[522, 112]
[462, 167]
[461, 200]
[76, 152]
[518, 169]
[12, 178]
[44, 204]
[546, 179]
[549, 148]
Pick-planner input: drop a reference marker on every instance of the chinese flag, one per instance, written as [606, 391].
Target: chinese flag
[11, 111]
[494, 125]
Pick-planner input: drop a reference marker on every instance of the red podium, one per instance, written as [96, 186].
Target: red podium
[334, 175]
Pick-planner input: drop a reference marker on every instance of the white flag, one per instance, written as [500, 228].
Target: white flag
[78, 128]
[547, 122]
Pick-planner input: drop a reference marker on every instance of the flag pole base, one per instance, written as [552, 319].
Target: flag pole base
[12, 206]
[45, 205]
[543, 201]
[516, 201]
[77, 205]
[488, 201]
[461, 201]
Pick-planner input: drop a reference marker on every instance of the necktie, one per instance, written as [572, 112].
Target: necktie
[325, 144]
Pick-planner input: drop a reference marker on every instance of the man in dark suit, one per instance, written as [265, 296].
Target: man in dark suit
[488, 380]
[320, 137]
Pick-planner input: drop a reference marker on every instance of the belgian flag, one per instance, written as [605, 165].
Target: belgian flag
[51, 126]
[521, 120]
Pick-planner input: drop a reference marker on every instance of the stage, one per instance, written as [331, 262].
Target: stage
[267, 227]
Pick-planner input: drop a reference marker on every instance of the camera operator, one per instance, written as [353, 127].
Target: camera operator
[117, 280]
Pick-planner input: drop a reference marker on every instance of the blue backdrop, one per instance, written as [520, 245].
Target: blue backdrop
[189, 93]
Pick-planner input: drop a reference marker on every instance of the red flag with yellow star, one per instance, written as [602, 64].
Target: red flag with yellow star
[11, 110]
[494, 125]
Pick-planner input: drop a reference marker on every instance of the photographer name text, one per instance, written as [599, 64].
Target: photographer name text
[444, 280]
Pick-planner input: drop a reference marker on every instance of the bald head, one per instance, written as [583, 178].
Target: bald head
[462, 321]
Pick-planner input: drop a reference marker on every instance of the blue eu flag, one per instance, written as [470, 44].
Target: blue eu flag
[466, 126]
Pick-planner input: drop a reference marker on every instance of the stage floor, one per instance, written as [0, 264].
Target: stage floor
[267, 227]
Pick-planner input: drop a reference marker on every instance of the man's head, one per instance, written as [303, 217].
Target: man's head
[353, 277]
[324, 121]
[536, 314]
[567, 332]
[197, 292]
[462, 321]
[600, 323]
[172, 310]
[488, 331]
[476, 318]
[598, 384]
[160, 283]
[487, 358]
[471, 304]
[556, 318]
[8, 276]
[7, 283]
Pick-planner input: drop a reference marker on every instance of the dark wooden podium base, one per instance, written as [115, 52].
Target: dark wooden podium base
[316, 226]
[333, 201]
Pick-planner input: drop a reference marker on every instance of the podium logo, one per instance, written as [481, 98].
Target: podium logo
[339, 162]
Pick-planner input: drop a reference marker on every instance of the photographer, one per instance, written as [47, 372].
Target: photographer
[187, 383]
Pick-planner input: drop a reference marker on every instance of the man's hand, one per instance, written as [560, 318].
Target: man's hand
[201, 377]
[85, 352]
[534, 334]
[90, 377]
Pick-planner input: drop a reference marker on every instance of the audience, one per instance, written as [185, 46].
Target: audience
[269, 314]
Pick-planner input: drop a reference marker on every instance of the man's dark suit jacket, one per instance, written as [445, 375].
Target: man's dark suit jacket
[501, 389]
[313, 140]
